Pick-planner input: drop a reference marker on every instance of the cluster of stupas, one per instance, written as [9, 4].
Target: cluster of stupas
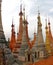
[27, 51]
[16, 43]
[22, 51]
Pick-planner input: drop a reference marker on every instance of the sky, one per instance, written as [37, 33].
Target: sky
[11, 8]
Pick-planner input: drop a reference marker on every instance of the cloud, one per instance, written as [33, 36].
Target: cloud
[49, 1]
[51, 10]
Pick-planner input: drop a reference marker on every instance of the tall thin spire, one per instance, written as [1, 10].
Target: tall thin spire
[38, 11]
[19, 36]
[39, 16]
[13, 39]
[24, 45]
[39, 45]
[2, 36]
[39, 30]
[21, 10]
[46, 24]
[50, 36]
[1, 28]
[49, 29]
[47, 42]
[26, 23]
[20, 7]
[24, 12]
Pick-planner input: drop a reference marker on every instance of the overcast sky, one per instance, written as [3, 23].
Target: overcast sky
[10, 10]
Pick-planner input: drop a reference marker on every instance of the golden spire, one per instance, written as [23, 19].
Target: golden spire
[50, 36]
[47, 42]
[49, 27]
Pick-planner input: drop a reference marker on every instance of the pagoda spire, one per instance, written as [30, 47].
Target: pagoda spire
[24, 45]
[50, 37]
[2, 36]
[50, 34]
[39, 31]
[39, 46]
[1, 28]
[47, 42]
[19, 36]
[13, 39]
[29, 43]
[24, 13]
[26, 28]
